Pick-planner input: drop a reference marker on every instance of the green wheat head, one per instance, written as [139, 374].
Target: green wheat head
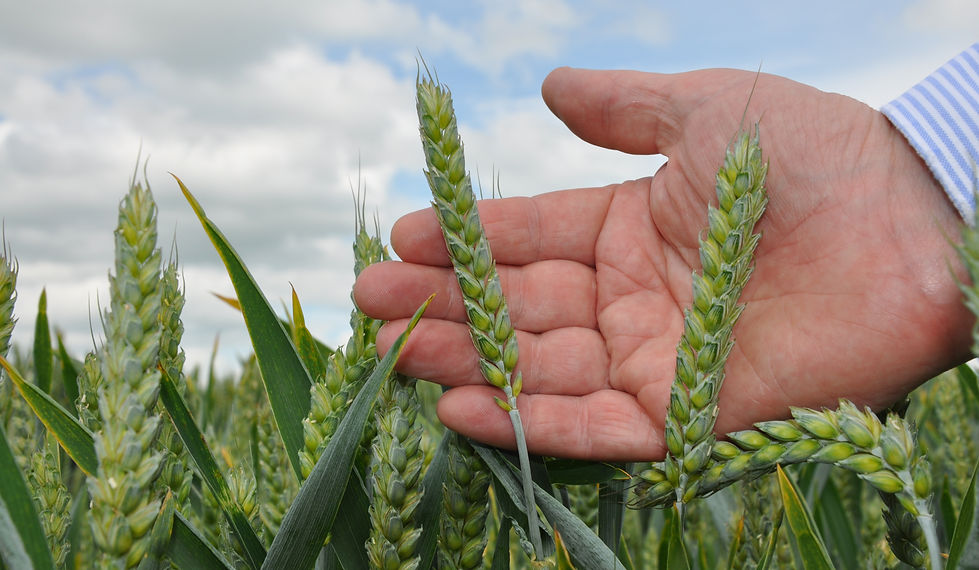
[123, 505]
[726, 254]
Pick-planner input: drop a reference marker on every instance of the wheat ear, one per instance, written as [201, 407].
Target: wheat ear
[176, 475]
[489, 320]
[8, 298]
[726, 253]
[465, 505]
[395, 475]
[883, 454]
[123, 504]
[348, 367]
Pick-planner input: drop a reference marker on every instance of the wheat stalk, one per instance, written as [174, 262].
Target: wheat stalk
[489, 320]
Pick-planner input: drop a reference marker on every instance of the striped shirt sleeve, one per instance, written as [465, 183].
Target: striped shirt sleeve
[940, 118]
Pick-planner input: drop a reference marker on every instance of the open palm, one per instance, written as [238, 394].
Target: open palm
[852, 295]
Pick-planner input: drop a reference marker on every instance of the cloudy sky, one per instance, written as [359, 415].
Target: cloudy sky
[269, 113]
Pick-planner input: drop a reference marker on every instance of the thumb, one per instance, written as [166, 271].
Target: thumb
[632, 111]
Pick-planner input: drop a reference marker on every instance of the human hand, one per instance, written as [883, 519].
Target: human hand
[852, 294]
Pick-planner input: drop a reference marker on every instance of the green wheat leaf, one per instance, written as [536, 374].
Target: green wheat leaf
[75, 438]
[578, 472]
[964, 524]
[677, 557]
[968, 381]
[347, 540]
[501, 553]
[208, 468]
[804, 531]
[611, 510]
[189, 549]
[311, 516]
[306, 345]
[285, 376]
[43, 356]
[837, 524]
[69, 375]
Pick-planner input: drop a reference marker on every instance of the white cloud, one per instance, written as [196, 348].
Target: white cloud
[943, 16]
[267, 112]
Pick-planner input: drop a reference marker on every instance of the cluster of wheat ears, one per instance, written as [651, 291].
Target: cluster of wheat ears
[325, 457]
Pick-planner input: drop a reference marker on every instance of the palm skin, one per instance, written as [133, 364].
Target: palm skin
[853, 296]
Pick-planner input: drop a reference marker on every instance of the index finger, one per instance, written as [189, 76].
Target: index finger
[556, 225]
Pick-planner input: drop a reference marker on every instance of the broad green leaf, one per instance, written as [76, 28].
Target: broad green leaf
[964, 524]
[611, 509]
[305, 343]
[969, 383]
[43, 356]
[74, 437]
[625, 557]
[578, 472]
[346, 547]
[310, 518]
[946, 507]
[769, 554]
[837, 523]
[501, 552]
[804, 532]
[69, 375]
[22, 540]
[209, 471]
[189, 549]
[286, 378]
[561, 555]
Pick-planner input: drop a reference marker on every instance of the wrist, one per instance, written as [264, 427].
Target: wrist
[925, 227]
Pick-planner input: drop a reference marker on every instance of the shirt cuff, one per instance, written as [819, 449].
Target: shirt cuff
[940, 118]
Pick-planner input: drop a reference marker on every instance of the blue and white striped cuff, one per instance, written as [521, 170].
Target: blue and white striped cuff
[940, 118]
